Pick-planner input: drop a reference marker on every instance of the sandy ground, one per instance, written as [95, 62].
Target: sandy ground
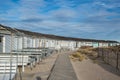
[41, 71]
[88, 70]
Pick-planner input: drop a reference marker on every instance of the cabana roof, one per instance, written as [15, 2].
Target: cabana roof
[62, 37]
[36, 34]
[7, 28]
[11, 30]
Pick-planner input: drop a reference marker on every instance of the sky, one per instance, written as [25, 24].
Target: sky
[91, 19]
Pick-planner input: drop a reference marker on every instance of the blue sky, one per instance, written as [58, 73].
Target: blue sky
[97, 19]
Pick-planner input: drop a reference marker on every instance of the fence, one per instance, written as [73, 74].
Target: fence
[110, 56]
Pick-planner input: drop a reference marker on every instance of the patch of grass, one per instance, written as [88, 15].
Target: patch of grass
[78, 56]
[89, 52]
[82, 54]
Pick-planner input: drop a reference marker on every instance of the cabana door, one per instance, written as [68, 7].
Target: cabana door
[1, 44]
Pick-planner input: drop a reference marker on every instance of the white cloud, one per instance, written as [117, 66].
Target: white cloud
[65, 20]
[30, 8]
[65, 3]
[109, 4]
[65, 12]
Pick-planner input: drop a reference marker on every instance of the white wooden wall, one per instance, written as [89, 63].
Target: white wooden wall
[7, 43]
[19, 42]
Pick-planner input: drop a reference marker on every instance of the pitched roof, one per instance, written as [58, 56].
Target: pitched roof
[36, 34]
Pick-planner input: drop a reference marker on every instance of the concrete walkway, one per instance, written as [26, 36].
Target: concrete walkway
[63, 69]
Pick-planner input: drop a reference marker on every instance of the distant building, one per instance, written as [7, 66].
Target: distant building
[17, 39]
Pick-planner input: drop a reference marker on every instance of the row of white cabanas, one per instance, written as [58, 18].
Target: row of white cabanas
[21, 47]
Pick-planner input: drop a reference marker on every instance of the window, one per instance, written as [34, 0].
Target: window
[0, 39]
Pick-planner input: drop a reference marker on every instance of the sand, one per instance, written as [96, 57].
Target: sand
[88, 70]
[41, 71]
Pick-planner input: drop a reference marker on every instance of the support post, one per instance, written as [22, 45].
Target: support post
[117, 60]
[10, 77]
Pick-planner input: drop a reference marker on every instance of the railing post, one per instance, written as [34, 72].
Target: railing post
[23, 55]
[117, 60]
[10, 77]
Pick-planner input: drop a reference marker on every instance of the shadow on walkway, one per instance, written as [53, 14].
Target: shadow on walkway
[38, 78]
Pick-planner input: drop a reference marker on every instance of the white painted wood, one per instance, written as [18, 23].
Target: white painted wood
[3, 44]
[20, 58]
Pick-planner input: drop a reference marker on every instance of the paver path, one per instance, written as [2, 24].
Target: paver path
[63, 69]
